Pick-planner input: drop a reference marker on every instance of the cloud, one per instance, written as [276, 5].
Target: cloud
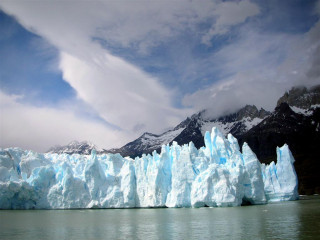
[317, 7]
[230, 14]
[251, 65]
[312, 40]
[39, 128]
[257, 69]
[129, 24]
[121, 93]
[231, 94]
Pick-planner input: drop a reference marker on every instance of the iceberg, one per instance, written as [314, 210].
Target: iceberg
[216, 175]
[280, 180]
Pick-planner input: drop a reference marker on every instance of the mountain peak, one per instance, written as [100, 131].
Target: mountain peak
[251, 111]
[301, 97]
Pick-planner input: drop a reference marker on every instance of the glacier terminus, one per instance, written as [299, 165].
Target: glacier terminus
[216, 175]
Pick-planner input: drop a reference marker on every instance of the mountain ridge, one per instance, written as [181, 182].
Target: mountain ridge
[193, 129]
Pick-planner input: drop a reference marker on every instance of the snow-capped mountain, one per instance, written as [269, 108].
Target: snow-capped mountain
[193, 129]
[236, 123]
[149, 142]
[74, 147]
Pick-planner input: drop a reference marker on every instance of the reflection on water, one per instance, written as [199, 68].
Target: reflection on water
[289, 220]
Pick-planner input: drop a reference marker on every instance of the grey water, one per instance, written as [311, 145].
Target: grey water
[286, 220]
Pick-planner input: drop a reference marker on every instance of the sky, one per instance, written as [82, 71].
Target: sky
[108, 71]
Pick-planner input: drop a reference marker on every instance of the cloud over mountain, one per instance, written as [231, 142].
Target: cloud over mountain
[136, 66]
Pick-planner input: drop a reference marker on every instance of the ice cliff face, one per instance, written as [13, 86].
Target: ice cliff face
[181, 176]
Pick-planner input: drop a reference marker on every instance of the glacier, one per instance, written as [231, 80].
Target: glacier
[216, 175]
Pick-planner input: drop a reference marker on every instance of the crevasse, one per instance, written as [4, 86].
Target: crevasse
[180, 176]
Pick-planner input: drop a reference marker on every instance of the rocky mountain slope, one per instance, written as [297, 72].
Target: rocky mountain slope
[193, 129]
[74, 147]
[149, 142]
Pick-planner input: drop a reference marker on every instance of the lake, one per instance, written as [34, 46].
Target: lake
[287, 220]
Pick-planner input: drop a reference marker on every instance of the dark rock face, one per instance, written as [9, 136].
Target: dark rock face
[251, 111]
[301, 97]
[238, 119]
[192, 132]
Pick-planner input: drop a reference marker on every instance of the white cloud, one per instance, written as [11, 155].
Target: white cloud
[125, 96]
[36, 128]
[230, 14]
[258, 69]
[231, 94]
[121, 93]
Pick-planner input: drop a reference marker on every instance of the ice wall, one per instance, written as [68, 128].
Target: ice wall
[180, 176]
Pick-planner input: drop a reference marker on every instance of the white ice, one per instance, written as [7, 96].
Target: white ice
[216, 175]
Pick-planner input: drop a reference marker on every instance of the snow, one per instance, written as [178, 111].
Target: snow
[158, 140]
[315, 106]
[250, 123]
[217, 175]
[225, 127]
[305, 112]
[75, 147]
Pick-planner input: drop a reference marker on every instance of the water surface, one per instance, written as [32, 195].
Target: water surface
[287, 220]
